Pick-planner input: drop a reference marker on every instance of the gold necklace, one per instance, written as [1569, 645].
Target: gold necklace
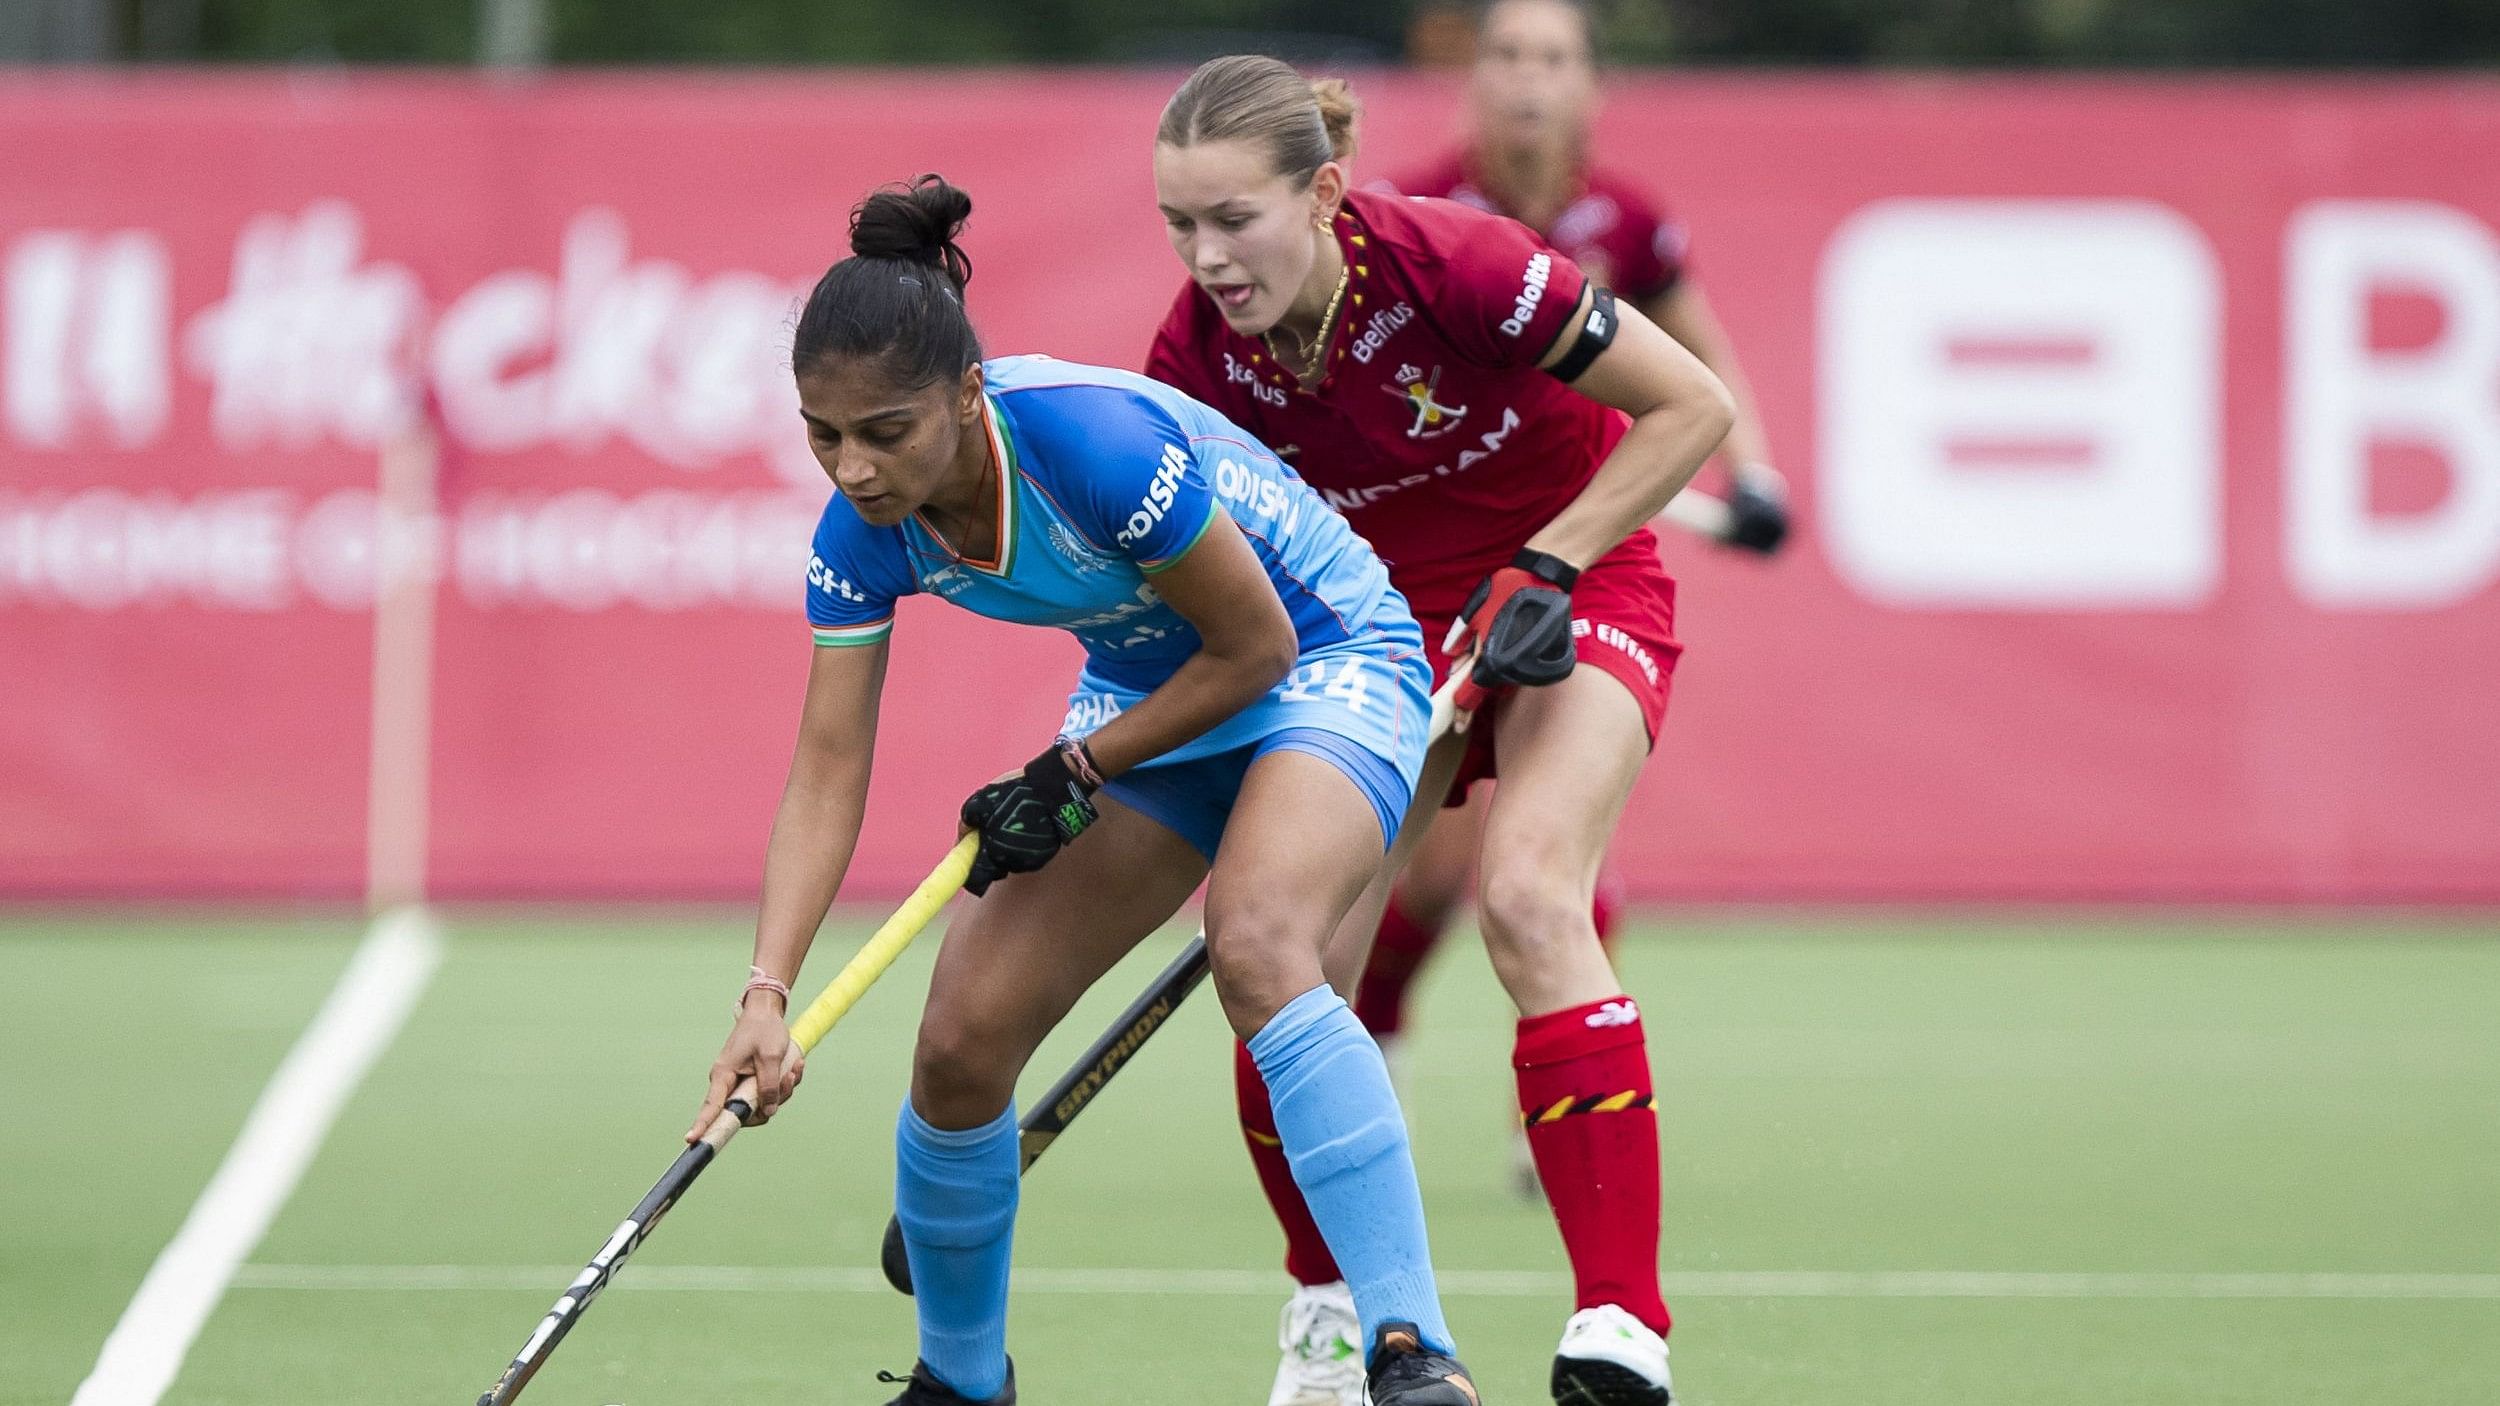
[1318, 347]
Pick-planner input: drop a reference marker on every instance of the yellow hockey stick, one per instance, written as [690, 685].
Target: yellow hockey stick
[843, 992]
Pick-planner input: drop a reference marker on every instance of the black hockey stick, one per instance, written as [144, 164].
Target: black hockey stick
[1057, 1108]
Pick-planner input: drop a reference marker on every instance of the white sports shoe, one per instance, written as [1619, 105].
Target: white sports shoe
[1610, 1358]
[1322, 1340]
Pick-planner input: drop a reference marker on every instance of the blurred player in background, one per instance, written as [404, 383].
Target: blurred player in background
[1533, 99]
[1252, 712]
[1501, 430]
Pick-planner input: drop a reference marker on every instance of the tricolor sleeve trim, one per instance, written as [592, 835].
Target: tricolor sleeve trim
[844, 636]
[1162, 564]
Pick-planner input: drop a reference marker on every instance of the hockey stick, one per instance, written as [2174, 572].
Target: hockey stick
[1699, 513]
[846, 988]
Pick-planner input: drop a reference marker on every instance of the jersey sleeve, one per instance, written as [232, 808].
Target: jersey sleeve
[1655, 248]
[853, 578]
[1120, 463]
[1503, 294]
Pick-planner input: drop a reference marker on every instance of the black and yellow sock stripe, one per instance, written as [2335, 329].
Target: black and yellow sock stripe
[1562, 1108]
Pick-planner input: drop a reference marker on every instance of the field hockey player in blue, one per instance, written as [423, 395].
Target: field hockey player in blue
[1252, 712]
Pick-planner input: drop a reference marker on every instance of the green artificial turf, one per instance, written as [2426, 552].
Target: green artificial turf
[2143, 1106]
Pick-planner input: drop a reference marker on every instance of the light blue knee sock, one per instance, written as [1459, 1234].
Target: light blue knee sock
[955, 1194]
[1346, 1142]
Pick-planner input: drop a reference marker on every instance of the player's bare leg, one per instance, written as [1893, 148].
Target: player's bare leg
[1009, 969]
[1301, 849]
[1320, 1339]
[1569, 754]
[1349, 947]
[1430, 889]
[1317, 1330]
[1018, 960]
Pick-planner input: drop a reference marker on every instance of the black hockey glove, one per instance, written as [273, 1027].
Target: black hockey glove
[1519, 621]
[1025, 819]
[1757, 519]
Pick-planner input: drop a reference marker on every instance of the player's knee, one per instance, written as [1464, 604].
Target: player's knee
[1263, 952]
[963, 1071]
[1534, 915]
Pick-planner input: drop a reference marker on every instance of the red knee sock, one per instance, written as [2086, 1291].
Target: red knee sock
[1398, 953]
[1306, 1250]
[1585, 1095]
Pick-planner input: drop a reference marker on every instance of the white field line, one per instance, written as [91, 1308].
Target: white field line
[1457, 1283]
[286, 1127]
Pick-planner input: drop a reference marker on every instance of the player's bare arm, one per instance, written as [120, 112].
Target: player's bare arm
[1246, 644]
[1680, 413]
[1684, 313]
[1756, 515]
[814, 832]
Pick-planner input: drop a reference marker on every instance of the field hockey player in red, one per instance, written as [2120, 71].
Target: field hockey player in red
[1500, 429]
[1532, 99]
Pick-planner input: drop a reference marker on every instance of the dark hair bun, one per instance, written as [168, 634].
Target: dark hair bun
[918, 222]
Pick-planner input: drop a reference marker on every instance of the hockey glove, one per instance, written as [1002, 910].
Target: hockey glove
[1757, 517]
[1023, 820]
[1519, 623]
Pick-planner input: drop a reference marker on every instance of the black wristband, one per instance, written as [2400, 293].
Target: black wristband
[1053, 777]
[1548, 568]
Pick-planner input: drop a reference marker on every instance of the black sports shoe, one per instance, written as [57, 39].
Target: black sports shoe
[922, 1388]
[1404, 1372]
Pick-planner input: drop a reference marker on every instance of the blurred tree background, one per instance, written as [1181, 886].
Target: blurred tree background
[1998, 33]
